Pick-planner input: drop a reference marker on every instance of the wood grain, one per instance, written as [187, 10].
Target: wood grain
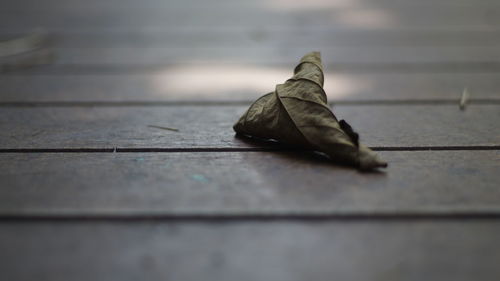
[220, 215]
[245, 183]
[287, 251]
[211, 126]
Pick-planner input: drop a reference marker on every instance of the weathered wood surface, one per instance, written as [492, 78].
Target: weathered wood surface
[244, 13]
[130, 216]
[62, 5]
[245, 183]
[283, 251]
[317, 37]
[344, 56]
[211, 126]
[204, 83]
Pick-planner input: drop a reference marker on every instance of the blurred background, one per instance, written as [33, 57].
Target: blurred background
[158, 50]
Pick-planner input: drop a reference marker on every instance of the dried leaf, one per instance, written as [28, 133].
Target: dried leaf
[297, 113]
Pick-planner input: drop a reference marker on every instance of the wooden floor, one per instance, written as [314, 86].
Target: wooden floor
[92, 187]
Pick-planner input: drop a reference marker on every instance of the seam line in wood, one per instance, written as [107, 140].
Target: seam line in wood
[232, 103]
[233, 149]
[439, 214]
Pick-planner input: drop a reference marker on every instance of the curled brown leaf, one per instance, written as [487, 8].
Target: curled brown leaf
[297, 113]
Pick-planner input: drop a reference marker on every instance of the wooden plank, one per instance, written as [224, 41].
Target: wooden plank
[129, 57]
[203, 83]
[315, 38]
[75, 5]
[211, 126]
[244, 13]
[290, 251]
[318, 37]
[245, 183]
[110, 5]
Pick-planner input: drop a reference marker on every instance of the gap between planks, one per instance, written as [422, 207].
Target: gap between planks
[276, 147]
[261, 216]
[237, 103]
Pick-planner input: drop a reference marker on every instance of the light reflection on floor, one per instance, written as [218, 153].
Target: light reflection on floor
[238, 81]
[349, 13]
